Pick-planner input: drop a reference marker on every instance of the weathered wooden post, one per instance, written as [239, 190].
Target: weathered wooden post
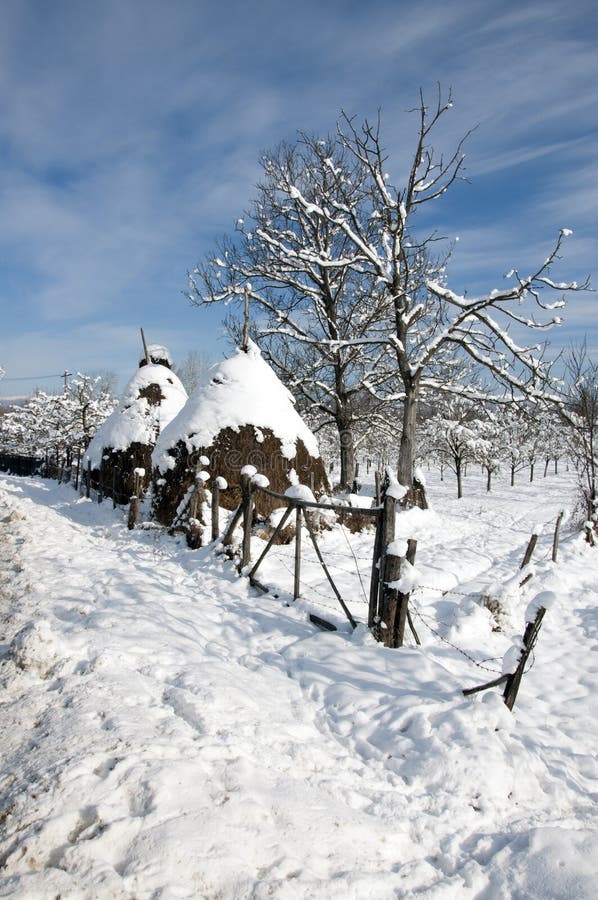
[135, 498]
[88, 485]
[528, 558]
[376, 568]
[196, 507]
[218, 484]
[247, 504]
[529, 639]
[297, 575]
[378, 488]
[555, 540]
[392, 605]
[77, 476]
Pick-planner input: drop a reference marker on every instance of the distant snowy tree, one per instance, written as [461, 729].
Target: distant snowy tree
[579, 409]
[58, 423]
[193, 369]
[451, 436]
[488, 448]
[513, 433]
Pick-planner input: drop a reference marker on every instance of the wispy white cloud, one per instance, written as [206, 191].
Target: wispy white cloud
[130, 135]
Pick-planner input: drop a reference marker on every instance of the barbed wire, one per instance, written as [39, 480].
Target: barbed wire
[458, 649]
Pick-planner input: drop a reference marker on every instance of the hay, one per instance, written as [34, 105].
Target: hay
[231, 450]
[117, 478]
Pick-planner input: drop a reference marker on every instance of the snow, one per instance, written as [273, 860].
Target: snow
[159, 352]
[300, 492]
[543, 600]
[242, 390]
[135, 419]
[168, 731]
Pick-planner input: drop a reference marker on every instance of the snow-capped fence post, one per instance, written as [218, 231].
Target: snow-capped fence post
[247, 506]
[135, 498]
[218, 484]
[555, 540]
[196, 511]
[297, 573]
[388, 605]
[88, 480]
[376, 567]
[529, 639]
[215, 510]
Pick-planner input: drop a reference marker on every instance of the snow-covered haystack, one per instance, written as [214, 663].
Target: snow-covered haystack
[240, 415]
[124, 442]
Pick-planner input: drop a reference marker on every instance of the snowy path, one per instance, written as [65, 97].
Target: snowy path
[168, 733]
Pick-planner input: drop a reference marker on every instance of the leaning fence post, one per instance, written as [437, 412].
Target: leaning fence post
[134, 504]
[528, 557]
[529, 639]
[555, 540]
[297, 577]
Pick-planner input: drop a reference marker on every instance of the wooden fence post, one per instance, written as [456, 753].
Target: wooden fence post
[376, 571]
[134, 503]
[215, 509]
[247, 504]
[378, 488]
[297, 575]
[528, 557]
[88, 485]
[529, 639]
[114, 471]
[101, 482]
[555, 540]
[77, 477]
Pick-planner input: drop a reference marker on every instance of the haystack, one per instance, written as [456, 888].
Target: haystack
[240, 415]
[124, 442]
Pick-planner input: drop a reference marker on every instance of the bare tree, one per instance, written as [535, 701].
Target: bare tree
[315, 308]
[193, 369]
[338, 266]
[579, 410]
[433, 328]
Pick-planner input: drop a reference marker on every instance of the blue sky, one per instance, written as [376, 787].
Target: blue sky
[130, 134]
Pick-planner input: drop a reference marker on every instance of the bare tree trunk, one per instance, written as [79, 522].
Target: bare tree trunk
[459, 480]
[347, 473]
[488, 480]
[407, 445]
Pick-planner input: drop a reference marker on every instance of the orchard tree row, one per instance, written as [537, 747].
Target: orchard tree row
[57, 424]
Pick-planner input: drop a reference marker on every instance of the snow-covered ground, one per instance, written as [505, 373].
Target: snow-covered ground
[169, 732]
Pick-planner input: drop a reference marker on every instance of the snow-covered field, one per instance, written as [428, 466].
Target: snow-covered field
[169, 732]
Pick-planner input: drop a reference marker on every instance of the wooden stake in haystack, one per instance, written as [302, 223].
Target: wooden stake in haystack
[145, 350]
[245, 344]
